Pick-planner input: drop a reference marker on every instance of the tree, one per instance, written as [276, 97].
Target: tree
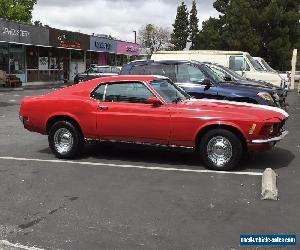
[153, 38]
[181, 28]
[37, 23]
[266, 28]
[17, 10]
[210, 36]
[194, 30]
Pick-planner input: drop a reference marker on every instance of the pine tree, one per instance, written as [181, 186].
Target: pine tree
[265, 28]
[181, 28]
[193, 25]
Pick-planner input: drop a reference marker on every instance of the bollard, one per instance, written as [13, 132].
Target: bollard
[269, 189]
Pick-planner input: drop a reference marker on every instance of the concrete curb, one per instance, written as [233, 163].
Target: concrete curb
[269, 189]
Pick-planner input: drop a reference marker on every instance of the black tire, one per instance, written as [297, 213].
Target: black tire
[72, 132]
[222, 135]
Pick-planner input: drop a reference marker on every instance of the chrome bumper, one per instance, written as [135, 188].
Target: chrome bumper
[274, 139]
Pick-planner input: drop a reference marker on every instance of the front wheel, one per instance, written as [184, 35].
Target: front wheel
[220, 149]
[65, 140]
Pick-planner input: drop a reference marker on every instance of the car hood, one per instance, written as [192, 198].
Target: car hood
[235, 109]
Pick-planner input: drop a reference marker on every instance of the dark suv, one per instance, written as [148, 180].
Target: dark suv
[200, 81]
[230, 75]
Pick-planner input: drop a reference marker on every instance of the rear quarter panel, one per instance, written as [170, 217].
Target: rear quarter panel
[40, 109]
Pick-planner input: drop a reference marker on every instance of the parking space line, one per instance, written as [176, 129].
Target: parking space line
[17, 245]
[133, 166]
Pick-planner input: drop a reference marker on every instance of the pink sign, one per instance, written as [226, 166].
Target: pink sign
[126, 48]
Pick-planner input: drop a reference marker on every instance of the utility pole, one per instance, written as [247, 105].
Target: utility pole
[134, 36]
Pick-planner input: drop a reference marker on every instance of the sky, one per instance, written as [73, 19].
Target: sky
[118, 18]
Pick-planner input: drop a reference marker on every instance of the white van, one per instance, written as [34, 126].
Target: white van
[268, 68]
[238, 61]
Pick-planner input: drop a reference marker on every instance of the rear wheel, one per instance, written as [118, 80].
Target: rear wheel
[65, 140]
[220, 149]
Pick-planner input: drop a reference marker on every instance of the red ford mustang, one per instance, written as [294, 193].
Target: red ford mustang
[151, 110]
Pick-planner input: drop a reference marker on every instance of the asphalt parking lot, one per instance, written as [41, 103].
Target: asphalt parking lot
[133, 197]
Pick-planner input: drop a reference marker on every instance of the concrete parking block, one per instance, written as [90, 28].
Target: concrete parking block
[269, 188]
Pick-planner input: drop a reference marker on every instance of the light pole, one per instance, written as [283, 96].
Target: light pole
[134, 36]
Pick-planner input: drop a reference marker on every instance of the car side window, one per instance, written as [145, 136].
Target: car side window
[218, 71]
[98, 93]
[237, 63]
[139, 70]
[187, 73]
[132, 92]
[167, 70]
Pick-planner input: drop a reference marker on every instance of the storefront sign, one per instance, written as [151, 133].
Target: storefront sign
[102, 44]
[23, 33]
[130, 49]
[66, 39]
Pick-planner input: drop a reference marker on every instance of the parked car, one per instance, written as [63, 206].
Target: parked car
[227, 74]
[239, 61]
[297, 75]
[97, 71]
[200, 81]
[268, 68]
[151, 110]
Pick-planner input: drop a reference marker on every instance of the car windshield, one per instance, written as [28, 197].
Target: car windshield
[232, 73]
[107, 69]
[267, 66]
[216, 78]
[169, 91]
[254, 63]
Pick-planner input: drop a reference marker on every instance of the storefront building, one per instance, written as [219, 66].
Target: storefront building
[102, 51]
[71, 50]
[15, 39]
[34, 53]
[127, 52]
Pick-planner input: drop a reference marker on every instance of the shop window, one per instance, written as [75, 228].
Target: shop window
[32, 57]
[4, 57]
[77, 55]
[16, 59]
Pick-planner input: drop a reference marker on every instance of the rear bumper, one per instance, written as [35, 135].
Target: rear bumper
[270, 140]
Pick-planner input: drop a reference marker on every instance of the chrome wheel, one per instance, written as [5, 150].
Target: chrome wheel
[219, 150]
[63, 141]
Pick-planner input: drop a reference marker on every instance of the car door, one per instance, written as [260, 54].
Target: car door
[123, 114]
[190, 77]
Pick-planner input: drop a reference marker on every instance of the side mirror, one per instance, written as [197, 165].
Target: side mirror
[227, 78]
[154, 101]
[206, 82]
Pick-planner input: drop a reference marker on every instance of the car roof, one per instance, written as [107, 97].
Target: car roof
[85, 88]
[137, 62]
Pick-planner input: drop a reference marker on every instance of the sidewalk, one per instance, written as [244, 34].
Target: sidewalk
[36, 85]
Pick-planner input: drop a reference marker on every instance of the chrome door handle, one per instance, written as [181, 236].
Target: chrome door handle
[103, 108]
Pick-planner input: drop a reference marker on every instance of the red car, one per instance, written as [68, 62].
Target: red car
[151, 110]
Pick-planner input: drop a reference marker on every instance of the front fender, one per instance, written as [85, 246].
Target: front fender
[241, 129]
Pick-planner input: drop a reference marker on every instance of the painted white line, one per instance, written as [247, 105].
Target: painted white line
[17, 245]
[12, 100]
[132, 166]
